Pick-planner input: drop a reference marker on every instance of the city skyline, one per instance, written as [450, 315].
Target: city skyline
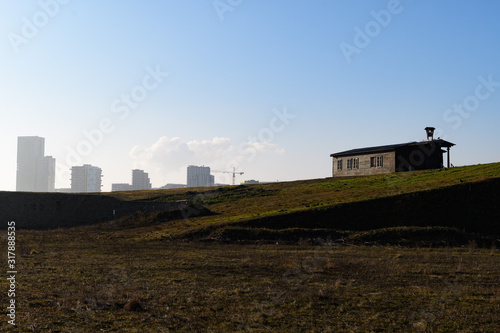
[36, 173]
[269, 88]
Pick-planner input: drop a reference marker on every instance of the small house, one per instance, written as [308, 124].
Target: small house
[409, 156]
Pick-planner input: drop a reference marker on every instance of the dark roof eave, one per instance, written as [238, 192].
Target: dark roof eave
[445, 143]
[361, 152]
[381, 149]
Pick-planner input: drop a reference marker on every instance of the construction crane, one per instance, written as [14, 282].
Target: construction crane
[233, 172]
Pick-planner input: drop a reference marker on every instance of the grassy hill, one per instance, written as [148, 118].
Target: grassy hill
[435, 207]
[463, 198]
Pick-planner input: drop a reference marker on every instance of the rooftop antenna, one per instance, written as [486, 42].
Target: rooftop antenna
[430, 133]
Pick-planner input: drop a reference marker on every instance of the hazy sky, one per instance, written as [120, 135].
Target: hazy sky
[272, 87]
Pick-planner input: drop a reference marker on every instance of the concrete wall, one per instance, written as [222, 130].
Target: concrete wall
[60, 210]
[365, 169]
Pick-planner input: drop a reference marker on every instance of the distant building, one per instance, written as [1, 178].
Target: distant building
[121, 187]
[140, 180]
[35, 172]
[172, 186]
[63, 190]
[86, 178]
[46, 174]
[392, 158]
[250, 182]
[199, 176]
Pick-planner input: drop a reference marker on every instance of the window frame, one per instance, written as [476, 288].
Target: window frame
[339, 164]
[355, 164]
[377, 161]
[380, 161]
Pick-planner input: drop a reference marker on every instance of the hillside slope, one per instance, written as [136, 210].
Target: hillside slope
[464, 198]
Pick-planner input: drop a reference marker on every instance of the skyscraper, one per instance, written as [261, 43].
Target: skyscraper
[86, 178]
[199, 176]
[140, 180]
[35, 172]
[46, 174]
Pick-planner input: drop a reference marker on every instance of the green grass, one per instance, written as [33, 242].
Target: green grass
[240, 203]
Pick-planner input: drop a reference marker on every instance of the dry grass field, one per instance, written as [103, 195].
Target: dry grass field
[83, 285]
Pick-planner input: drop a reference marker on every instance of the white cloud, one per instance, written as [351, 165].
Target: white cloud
[166, 160]
[263, 147]
[215, 148]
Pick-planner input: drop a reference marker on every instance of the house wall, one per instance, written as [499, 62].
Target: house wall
[389, 165]
[420, 157]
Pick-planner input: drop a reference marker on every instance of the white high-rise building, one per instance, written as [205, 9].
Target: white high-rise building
[199, 176]
[46, 174]
[86, 178]
[35, 172]
[140, 180]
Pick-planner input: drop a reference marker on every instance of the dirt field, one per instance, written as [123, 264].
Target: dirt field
[68, 283]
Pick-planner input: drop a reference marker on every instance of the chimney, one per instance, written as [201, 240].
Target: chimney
[430, 133]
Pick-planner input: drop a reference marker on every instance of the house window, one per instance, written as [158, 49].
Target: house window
[376, 161]
[380, 161]
[339, 165]
[353, 163]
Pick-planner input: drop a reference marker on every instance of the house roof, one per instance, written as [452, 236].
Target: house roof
[381, 149]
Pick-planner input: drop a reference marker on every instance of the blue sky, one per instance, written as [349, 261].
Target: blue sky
[267, 87]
